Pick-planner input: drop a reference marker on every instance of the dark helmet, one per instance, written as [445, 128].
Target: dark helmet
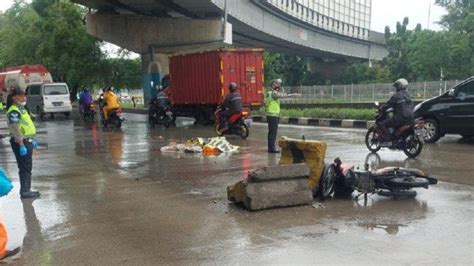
[233, 86]
[401, 84]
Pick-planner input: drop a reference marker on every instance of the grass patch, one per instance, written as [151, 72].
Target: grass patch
[330, 113]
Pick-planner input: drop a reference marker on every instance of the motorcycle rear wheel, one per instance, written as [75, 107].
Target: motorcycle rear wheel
[243, 131]
[372, 140]
[116, 122]
[413, 146]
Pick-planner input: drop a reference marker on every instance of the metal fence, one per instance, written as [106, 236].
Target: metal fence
[353, 93]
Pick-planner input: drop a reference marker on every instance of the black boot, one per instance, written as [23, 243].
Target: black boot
[11, 253]
[30, 194]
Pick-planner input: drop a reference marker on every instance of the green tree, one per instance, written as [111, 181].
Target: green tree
[51, 32]
[397, 46]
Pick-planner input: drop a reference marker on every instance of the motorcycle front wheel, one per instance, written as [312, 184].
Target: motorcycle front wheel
[413, 146]
[326, 182]
[243, 131]
[218, 132]
[372, 140]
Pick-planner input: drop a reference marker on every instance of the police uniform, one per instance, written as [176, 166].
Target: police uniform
[20, 116]
[272, 109]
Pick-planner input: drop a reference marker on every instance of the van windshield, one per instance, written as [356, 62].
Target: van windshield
[55, 90]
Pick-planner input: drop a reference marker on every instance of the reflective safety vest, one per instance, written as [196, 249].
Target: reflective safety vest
[272, 106]
[27, 127]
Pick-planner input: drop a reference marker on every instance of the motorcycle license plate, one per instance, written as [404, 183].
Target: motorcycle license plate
[248, 122]
[169, 113]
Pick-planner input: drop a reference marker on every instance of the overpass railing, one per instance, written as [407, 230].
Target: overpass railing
[353, 93]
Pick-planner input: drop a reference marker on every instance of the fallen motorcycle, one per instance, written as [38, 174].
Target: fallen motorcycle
[342, 180]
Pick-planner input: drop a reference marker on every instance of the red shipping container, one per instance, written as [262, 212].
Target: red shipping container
[199, 81]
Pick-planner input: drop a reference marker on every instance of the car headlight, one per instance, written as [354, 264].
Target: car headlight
[418, 106]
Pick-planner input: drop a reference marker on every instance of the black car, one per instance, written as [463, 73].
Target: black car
[449, 113]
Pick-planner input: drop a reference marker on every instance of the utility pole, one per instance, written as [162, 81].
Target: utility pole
[429, 15]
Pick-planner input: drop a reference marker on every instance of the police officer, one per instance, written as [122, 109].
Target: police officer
[272, 109]
[232, 104]
[22, 131]
[402, 108]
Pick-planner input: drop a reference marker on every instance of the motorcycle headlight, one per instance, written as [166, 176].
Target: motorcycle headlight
[418, 106]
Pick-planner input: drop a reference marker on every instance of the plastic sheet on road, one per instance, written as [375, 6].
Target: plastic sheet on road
[206, 146]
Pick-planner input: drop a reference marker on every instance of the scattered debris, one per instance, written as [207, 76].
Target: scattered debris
[206, 146]
[318, 205]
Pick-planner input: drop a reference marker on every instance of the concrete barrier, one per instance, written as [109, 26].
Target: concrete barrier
[272, 187]
[304, 151]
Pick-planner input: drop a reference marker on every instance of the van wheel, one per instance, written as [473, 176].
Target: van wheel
[67, 114]
[431, 131]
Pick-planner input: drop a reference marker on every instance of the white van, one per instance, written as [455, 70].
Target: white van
[49, 98]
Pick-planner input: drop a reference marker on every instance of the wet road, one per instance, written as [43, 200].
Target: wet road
[111, 197]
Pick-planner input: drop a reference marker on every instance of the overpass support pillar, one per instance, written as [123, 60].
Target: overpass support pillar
[154, 67]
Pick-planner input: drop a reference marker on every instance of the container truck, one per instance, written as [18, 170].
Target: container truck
[199, 81]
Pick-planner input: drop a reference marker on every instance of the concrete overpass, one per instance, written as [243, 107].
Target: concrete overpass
[155, 28]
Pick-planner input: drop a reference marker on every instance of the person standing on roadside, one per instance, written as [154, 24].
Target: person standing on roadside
[23, 132]
[272, 109]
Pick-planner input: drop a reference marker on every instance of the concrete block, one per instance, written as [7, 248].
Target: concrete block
[347, 123]
[370, 124]
[324, 122]
[265, 195]
[305, 151]
[279, 172]
[284, 120]
[303, 121]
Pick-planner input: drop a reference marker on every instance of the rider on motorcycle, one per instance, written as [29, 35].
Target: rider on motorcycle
[402, 108]
[232, 105]
[85, 100]
[112, 102]
[160, 103]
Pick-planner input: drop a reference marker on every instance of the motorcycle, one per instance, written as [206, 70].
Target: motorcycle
[341, 180]
[238, 124]
[157, 116]
[89, 112]
[115, 118]
[407, 137]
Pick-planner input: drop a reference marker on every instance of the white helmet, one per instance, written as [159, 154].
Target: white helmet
[401, 84]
